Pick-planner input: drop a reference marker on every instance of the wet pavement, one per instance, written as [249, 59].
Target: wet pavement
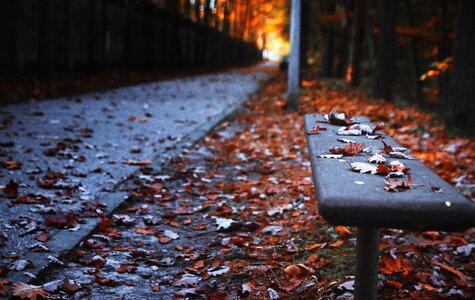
[69, 155]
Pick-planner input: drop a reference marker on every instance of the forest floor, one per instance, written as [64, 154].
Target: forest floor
[235, 216]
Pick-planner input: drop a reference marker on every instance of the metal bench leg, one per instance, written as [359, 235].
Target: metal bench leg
[367, 253]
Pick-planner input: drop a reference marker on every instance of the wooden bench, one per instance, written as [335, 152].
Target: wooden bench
[346, 197]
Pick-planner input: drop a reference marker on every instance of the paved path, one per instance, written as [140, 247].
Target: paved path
[75, 151]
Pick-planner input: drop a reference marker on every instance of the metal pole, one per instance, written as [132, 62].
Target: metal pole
[367, 253]
[293, 71]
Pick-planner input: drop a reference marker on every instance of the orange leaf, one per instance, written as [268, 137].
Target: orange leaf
[145, 230]
[395, 284]
[297, 273]
[337, 243]
[390, 265]
[450, 269]
[343, 231]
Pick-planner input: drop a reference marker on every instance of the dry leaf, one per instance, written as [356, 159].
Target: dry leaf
[363, 167]
[27, 291]
[377, 158]
[396, 185]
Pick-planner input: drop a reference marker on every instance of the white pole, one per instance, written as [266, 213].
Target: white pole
[293, 72]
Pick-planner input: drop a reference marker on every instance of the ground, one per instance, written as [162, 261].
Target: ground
[235, 216]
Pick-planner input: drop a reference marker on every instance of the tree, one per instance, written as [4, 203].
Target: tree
[357, 46]
[461, 104]
[385, 71]
[327, 58]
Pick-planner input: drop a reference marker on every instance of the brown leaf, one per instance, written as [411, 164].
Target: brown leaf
[451, 270]
[70, 286]
[297, 273]
[342, 119]
[316, 130]
[132, 162]
[348, 150]
[389, 265]
[42, 236]
[397, 185]
[27, 291]
[61, 221]
[11, 189]
[145, 230]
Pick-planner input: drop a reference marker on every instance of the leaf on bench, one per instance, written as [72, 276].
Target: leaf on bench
[348, 150]
[357, 129]
[331, 156]
[395, 174]
[338, 118]
[377, 158]
[364, 168]
[393, 167]
[397, 154]
[397, 185]
[316, 130]
[347, 141]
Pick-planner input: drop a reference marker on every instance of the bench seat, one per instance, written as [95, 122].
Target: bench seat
[341, 201]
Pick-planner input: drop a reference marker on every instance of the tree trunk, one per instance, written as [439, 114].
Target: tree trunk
[461, 108]
[43, 39]
[92, 31]
[207, 16]
[327, 64]
[443, 53]
[226, 18]
[127, 34]
[359, 22]
[197, 11]
[414, 57]
[345, 48]
[385, 71]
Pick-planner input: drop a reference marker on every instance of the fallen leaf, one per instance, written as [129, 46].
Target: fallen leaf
[396, 185]
[348, 150]
[11, 189]
[343, 231]
[452, 270]
[31, 292]
[223, 223]
[171, 234]
[338, 118]
[297, 273]
[316, 130]
[145, 230]
[187, 280]
[331, 156]
[337, 243]
[377, 158]
[347, 141]
[363, 168]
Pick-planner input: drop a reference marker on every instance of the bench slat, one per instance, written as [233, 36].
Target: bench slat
[343, 202]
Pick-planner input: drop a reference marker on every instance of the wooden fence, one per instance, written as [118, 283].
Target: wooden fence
[43, 37]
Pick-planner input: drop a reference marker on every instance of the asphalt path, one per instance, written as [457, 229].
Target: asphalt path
[71, 154]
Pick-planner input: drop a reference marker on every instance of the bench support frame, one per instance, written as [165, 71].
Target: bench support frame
[367, 254]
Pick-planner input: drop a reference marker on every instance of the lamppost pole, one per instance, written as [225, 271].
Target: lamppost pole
[294, 57]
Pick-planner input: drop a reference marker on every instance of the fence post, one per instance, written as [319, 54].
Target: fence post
[293, 71]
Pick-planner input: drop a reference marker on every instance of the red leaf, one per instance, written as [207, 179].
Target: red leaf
[397, 185]
[11, 189]
[348, 150]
